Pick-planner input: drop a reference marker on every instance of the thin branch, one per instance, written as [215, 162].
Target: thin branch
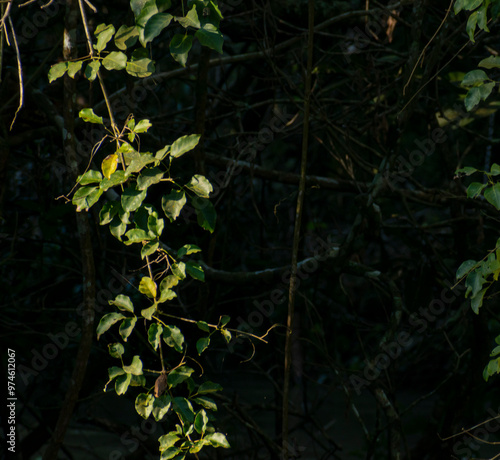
[19, 72]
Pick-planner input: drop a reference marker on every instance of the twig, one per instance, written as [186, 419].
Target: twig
[19, 72]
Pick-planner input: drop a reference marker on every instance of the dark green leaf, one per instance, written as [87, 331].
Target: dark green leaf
[149, 248]
[224, 320]
[202, 344]
[188, 249]
[477, 300]
[490, 62]
[203, 326]
[180, 45]
[476, 94]
[122, 383]
[200, 422]
[495, 169]
[178, 375]
[117, 178]
[195, 270]
[173, 338]
[210, 37]
[475, 189]
[107, 321]
[183, 409]
[155, 26]
[205, 213]
[154, 335]
[117, 228]
[149, 177]
[492, 195]
[207, 403]
[208, 387]
[468, 170]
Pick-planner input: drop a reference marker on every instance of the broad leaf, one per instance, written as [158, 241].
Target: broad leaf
[173, 203]
[190, 20]
[210, 37]
[92, 69]
[123, 302]
[116, 60]
[104, 34]
[178, 375]
[147, 287]
[132, 198]
[144, 404]
[135, 367]
[116, 349]
[208, 387]
[107, 321]
[201, 422]
[126, 327]
[490, 62]
[180, 45]
[149, 177]
[217, 440]
[477, 94]
[140, 65]
[205, 213]
[149, 248]
[207, 403]
[183, 409]
[194, 270]
[475, 189]
[492, 195]
[90, 177]
[184, 144]
[200, 185]
[202, 344]
[161, 407]
[117, 178]
[149, 312]
[173, 337]
[154, 335]
[74, 67]
[155, 26]
[122, 383]
[109, 165]
[89, 116]
[188, 249]
[126, 37]
[57, 71]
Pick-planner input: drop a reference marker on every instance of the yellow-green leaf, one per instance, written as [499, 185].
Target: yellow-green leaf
[109, 165]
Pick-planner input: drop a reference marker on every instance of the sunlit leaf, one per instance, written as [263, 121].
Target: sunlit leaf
[116, 60]
[109, 165]
[89, 116]
[126, 327]
[126, 37]
[57, 71]
[116, 349]
[135, 367]
[154, 335]
[155, 26]
[147, 287]
[173, 337]
[180, 45]
[173, 203]
[144, 404]
[104, 34]
[184, 144]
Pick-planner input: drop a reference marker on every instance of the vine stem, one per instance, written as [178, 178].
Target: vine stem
[296, 234]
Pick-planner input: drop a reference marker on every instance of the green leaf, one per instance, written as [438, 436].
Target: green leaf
[190, 20]
[188, 249]
[482, 19]
[140, 65]
[470, 28]
[147, 287]
[203, 326]
[132, 198]
[57, 71]
[179, 270]
[142, 126]
[490, 62]
[86, 197]
[495, 169]
[208, 387]
[155, 225]
[194, 270]
[475, 189]
[154, 335]
[180, 45]
[474, 78]
[201, 422]
[200, 185]
[184, 144]
[173, 338]
[74, 67]
[161, 407]
[205, 213]
[138, 381]
[202, 344]
[474, 283]
[467, 170]
[224, 319]
[477, 301]
[123, 302]
[178, 375]
[114, 372]
[126, 327]
[116, 349]
[138, 161]
[104, 34]
[173, 203]
[476, 94]
[107, 321]
[172, 453]
[169, 282]
[217, 440]
[210, 37]
[90, 177]
[458, 6]
[495, 351]
[122, 383]
[166, 294]
[117, 228]
[135, 367]
[89, 116]
[116, 60]
[149, 248]
[149, 177]
[126, 37]
[205, 402]
[149, 312]
[117, 178]
[155, 26]
[492, 195]
[183, 409]
[92, 69]
[168, 440]
[137, 235]
[144, 404]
